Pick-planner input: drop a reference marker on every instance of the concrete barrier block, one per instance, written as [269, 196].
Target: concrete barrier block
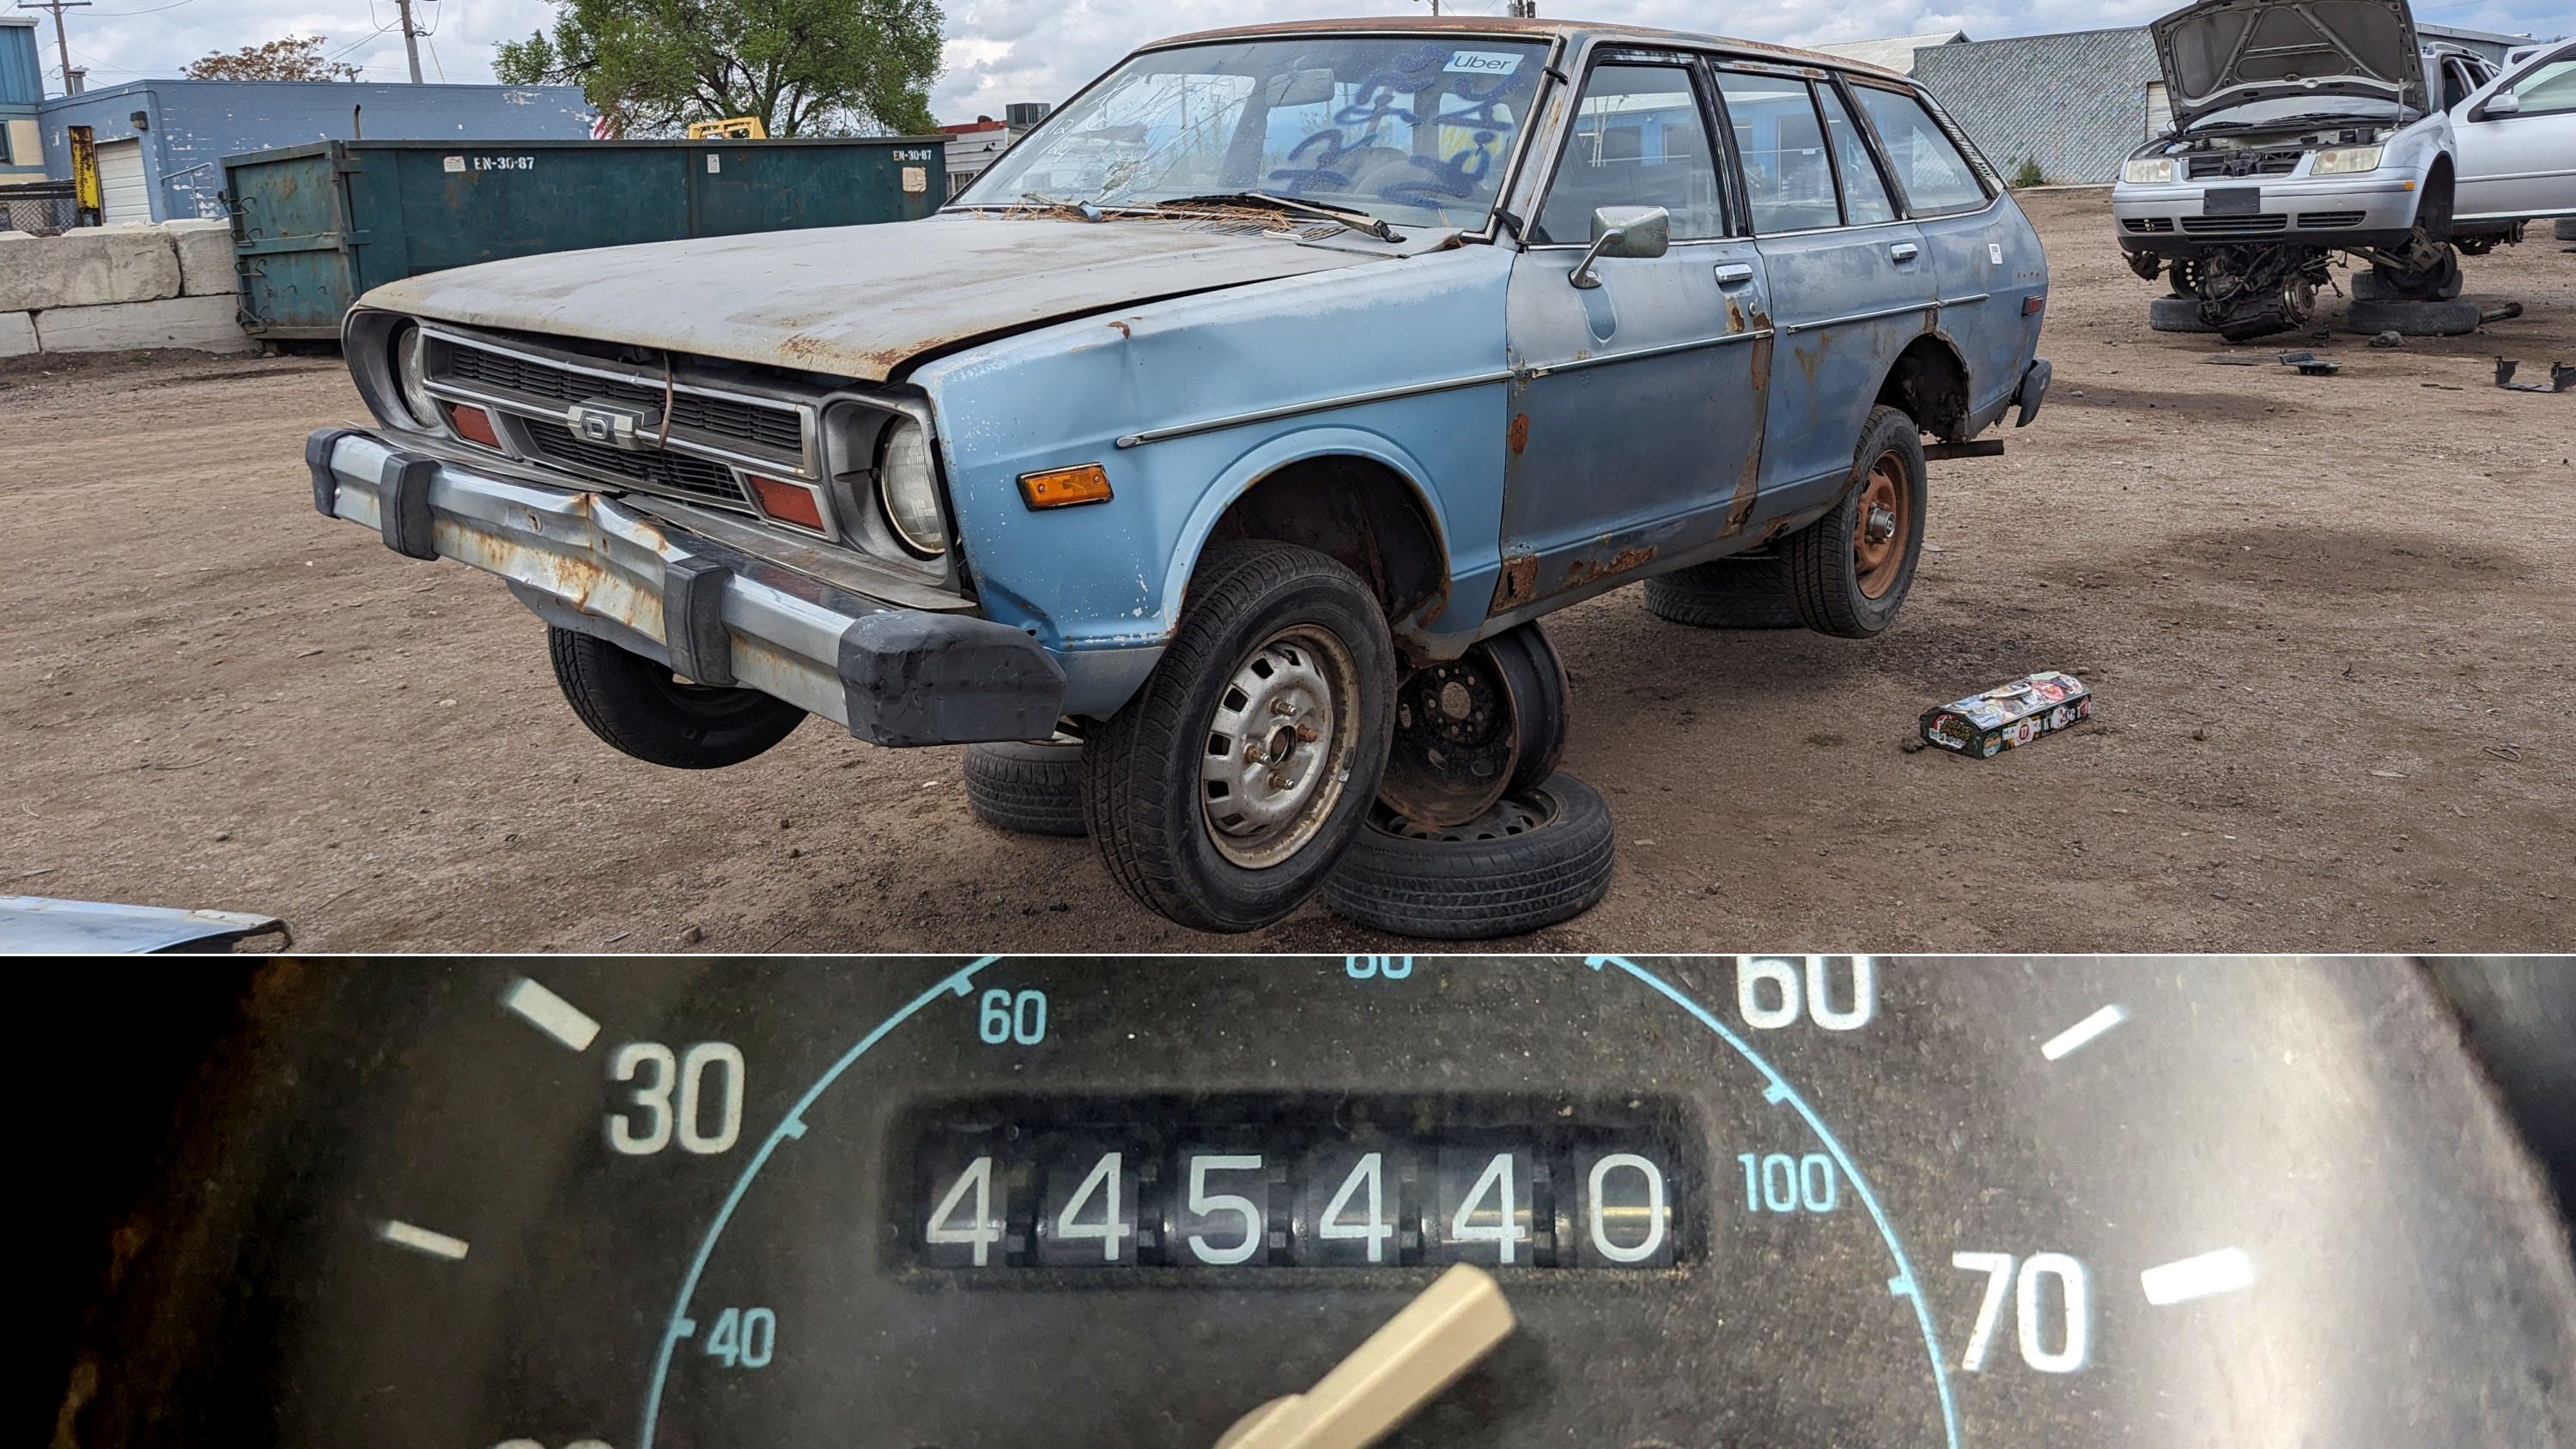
[205, 323]
[87, 267]
[17, 333]
[205, 257]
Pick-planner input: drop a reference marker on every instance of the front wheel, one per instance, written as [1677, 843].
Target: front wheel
[1224, 791]
[1849, 571]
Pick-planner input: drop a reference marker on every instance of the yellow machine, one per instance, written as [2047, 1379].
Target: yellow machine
[733, 128]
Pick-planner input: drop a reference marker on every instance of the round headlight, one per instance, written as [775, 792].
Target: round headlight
[909, 492]
[411, 373]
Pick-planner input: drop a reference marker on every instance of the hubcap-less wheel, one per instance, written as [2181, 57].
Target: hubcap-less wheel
[1879, 530]
[1278, 748]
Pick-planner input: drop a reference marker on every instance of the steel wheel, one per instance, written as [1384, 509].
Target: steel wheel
[1880, 525]
[1278, 747]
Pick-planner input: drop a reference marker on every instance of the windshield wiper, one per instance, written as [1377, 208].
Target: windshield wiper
[1349, 216]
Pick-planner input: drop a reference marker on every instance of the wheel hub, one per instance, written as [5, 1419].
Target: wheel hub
[1879, 533]
[1275, 742]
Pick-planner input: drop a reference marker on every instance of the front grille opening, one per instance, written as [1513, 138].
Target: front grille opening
[2329, 219]
[2261, 163]
[776, 428]
[692, 478]
[2150, 223]
[2236, 225]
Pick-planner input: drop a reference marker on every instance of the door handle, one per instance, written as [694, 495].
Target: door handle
[1733, 274]
[1904, 251]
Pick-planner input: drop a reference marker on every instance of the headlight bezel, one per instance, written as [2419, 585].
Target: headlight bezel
[920, 483]
[2347, 160]
[407, 362]
[2148, 171]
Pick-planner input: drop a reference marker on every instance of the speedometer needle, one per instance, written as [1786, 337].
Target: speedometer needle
[1420, 1351]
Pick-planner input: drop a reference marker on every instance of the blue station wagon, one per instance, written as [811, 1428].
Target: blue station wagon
[1238, 423]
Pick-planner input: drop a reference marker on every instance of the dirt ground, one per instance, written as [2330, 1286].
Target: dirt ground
[2327, 619]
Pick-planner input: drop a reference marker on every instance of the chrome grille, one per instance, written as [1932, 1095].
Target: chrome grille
[668, 472]
[740, 426]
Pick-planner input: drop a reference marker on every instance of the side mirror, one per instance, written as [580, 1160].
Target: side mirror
[2502, 103]
[1623, 231]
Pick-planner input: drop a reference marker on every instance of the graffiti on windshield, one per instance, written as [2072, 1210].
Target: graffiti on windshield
[1418, 90]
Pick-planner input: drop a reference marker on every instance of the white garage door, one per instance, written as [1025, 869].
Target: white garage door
[121, 192]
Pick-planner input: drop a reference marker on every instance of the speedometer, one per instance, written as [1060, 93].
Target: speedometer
[952, 1204]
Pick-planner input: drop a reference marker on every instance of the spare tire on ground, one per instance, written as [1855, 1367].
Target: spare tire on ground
[2176, 314]
[1542, 856]
[2412, 319]
[1033, 787]
[1727, 593]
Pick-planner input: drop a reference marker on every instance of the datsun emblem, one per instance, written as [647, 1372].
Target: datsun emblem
[609, 424]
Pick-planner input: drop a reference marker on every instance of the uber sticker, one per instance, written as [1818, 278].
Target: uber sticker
[1483, 62]
[1995, 253]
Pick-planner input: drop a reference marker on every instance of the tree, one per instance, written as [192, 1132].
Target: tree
[805, 67]
[295, 58]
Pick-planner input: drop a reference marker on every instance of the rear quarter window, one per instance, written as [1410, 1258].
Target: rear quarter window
[1936, 178]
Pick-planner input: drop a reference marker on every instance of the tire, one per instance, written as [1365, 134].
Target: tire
[1542, 701]
[1727, 593]
[2564, 228]
[2176, 314]
[645, 710]
[2440, 283]
[1541, 857]
[1841, 584]
[1034, 787]
[1151, 797]
[2412, 319]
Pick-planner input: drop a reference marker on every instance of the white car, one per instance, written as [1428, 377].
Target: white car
[2516, 138]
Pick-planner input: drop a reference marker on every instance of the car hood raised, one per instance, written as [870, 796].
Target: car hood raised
[2227, 52]
[854, 301]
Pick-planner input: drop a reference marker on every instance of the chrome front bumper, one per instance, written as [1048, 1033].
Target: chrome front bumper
[585, 561]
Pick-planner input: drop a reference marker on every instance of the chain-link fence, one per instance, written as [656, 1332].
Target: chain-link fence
[42, 207]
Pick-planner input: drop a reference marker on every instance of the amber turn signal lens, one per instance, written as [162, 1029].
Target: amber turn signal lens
[473, 425]
[787, 502]
[1063, 487]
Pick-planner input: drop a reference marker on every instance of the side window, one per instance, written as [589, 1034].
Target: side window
[1786, 176]
[2549, 89]
[1864, 194]
[1638, 141]
[1935, 178]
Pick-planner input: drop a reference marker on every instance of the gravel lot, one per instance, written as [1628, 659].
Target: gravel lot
[2327, 620]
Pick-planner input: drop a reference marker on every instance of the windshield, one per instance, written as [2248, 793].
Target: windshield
[1405, 128]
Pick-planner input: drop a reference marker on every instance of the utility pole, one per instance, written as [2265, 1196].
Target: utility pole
[71, 77]
[411, 39]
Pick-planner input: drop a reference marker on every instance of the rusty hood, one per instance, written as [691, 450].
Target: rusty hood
[854, 301]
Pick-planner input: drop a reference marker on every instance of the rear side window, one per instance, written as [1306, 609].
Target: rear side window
[1786, 176]
[1639, 140]
[1864, 194]
[1935, 178]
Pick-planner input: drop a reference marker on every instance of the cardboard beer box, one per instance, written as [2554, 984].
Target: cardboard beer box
[1985, 725]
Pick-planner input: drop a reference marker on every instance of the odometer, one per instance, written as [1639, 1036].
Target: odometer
[970, 1204]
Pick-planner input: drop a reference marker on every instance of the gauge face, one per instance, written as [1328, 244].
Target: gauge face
[1001, 1202]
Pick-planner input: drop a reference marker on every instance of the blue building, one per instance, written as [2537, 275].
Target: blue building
[161, 143]
[22, 90]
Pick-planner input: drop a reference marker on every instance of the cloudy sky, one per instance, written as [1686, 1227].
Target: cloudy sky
[1000, 51]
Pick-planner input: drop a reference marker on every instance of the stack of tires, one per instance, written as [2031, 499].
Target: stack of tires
[1523, 846]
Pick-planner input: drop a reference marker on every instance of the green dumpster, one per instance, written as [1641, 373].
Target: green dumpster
[316, 226]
